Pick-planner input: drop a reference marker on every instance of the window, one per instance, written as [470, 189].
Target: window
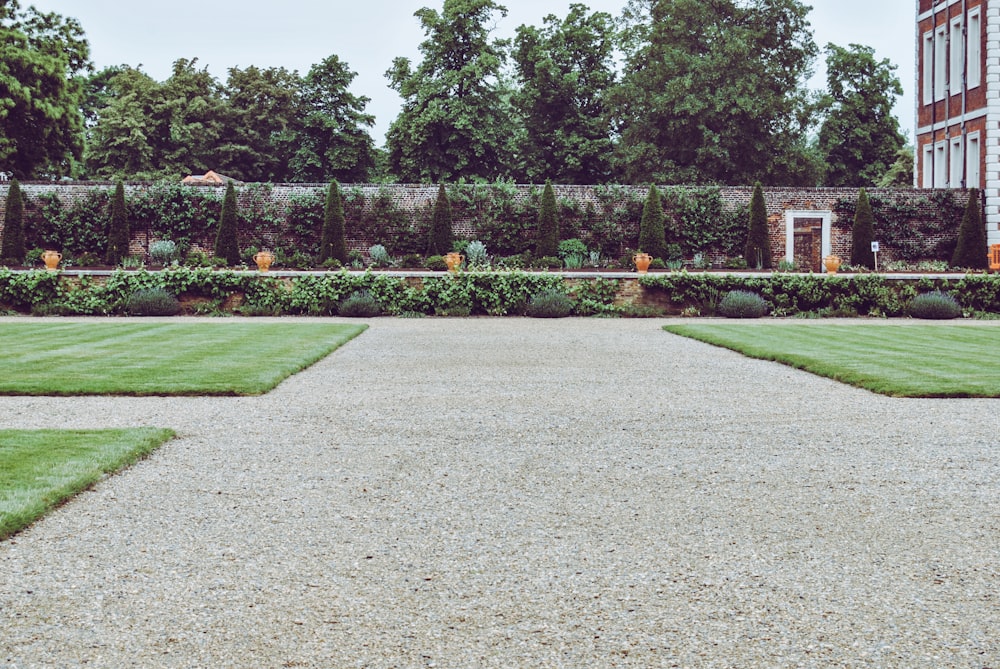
[928, 69]
[973, 49]
[956, 164]
[940, 51]
[972, 161]
[928, 167]
[956, 56]
[940, 165]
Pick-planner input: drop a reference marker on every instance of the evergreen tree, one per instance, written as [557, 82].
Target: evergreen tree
[971, 251]
[333, 243]
[863, 233]
[652, 234]
[441, 234]
[226, 245]
[12, 249]
[548, 225]
[758, 248]
[118, 232]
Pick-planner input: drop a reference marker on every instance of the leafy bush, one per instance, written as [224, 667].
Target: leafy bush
[12, 249]
[410, 260]
[971, 251]
[360, 304]
[441, 233]
[758, 247]
[436, 264]
[162, 252]
[152, 302]
[548, 262]
[935, 305]
[380, 256]
[226, 245]
[118, 232]
[550, 304]
[742, 304]
[572, 247]
[475, 254]
[547, 242]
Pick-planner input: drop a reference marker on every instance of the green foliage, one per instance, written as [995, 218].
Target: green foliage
[547, 242]
[652, 236]
[936, 219]
[758, 247]
[863, 233]
[380, 256]
[359, 304]
[859, 138]
[714, 92]
[152, 302]
[163, 252]
[118, 233]
[441, 235]
[564, 70]
[76, 228]
[971, 251]
[170, 210]
[475, 254]
[12, 248]
[333, 242]
[742, 304]
[226, 245]
[551, 303]
[455, 121]
[572, 247]
[936, 305]
[436, 263]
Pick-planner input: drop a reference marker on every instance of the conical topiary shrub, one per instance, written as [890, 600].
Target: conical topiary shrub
[758, 248]
[971, 251]
[652, 234]
[547, 244]
[118, 233]
[863, 233]
[226, 246]
[333, 243]
[440, 239]
[12, 248]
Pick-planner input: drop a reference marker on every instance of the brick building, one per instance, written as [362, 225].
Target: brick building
[958, 99]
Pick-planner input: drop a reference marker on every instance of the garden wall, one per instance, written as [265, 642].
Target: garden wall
[706, 221]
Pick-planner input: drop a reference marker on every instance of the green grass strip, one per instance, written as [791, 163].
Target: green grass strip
[900, 360]
[40, 469]
[136, 357]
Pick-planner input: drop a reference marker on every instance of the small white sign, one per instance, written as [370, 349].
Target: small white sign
[874, 247]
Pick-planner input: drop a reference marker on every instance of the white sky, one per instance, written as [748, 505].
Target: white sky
[368, 35]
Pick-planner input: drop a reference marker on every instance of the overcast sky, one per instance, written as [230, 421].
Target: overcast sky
[367, 35]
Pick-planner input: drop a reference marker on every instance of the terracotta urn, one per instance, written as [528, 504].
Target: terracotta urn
[642, 261]
[832, 264]
[454, 261]
[51, 260]
[263, 260]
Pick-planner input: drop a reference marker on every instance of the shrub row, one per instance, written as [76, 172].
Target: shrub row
[207, 291]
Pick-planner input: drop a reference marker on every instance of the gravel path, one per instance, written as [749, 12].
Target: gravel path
[522, 493]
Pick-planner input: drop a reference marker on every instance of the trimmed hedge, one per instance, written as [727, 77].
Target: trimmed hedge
[482, 293]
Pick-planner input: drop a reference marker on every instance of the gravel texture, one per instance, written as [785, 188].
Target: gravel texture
[522, 493]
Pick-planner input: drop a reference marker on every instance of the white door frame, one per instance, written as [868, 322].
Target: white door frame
[791, 215]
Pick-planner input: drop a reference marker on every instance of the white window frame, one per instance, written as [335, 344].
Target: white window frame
[928, 68]
[956, 163]
[927, 172]
[940, 58]
[973, 147]
[940, 164]
[956, 56]
[974, 49]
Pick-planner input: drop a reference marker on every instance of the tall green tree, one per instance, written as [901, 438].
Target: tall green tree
[118, 232]
[564, 70]
[332, 138]
[44, 59]
[713, 91]
[455, 120]
[758, 247]
[262, 118]
[548, 224]
[863, 233]
[441, 234]
[652, 226]
[971, 251]
[121, 140]
[333, 242]
[12, 247]
[226, 244]
[859, 138]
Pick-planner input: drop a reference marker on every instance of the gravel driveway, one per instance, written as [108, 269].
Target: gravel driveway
[522, 493]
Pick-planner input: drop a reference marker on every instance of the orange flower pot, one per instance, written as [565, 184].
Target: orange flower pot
[51, 260]
[263, 260]
[642, 261]
[454, 261]
[832, 264]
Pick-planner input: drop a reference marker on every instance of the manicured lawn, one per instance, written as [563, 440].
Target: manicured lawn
[135, 357]
[40, 469]
[901, 360]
